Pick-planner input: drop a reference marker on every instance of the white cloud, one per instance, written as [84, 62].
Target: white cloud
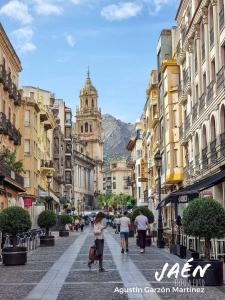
[121, 11]
[70, 40]
[18, 11]
[42, 7]
[23, 39]
[157, 5]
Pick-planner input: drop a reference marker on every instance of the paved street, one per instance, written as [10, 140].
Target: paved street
[61, 273]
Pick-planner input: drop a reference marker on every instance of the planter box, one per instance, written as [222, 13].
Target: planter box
[181, 251]
[63, 233]
[192, 254]
[173, 249]
[213, 275]
[47, 241]
[14, 256]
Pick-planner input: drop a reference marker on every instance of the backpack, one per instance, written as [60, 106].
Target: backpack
[93, 253]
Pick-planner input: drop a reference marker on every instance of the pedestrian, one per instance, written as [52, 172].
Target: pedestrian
[77, 223]
[99, 240]
[141, 222]
[117, 222]
[82, 225]
[124, 232]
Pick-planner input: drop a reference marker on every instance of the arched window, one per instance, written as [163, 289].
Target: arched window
[213, 129]
[86, 127]
[222, 119]
[82, 128]
[204, 137]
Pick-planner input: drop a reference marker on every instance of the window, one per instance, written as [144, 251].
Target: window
[86, 127]
[27, 147]
[213, 70]
[139, 192]
[27, 118]
[175, 158]
[175, 80]
[68, 117]
[68, 178]
[139, 170]
[27, 179]
[196, 92]
[87, 102]
[90, 128]
[82, 128]
[204, 83]
[175, 119]
[92, 103]
[68, 132]
[114, 185]
[9, 114]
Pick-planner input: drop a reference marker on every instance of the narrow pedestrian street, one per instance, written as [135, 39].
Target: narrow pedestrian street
[61, 272]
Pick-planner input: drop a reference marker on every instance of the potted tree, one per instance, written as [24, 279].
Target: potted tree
[46, 220]
[205, 218]
[148, 213]
[64, 220]
[14, 220]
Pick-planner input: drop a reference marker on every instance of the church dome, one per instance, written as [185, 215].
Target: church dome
[88, 87]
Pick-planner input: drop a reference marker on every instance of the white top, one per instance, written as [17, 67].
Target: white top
[124, 224]
[98, 231]
[117, 220]
[142, 222]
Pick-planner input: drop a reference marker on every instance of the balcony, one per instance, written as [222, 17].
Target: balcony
[68, 149]
[181, 98]
[2, 74]
[155, 118]
[201, 103]
[18, 98]
[47, 125]
[194, 111]
[220, 79]
[187, 122]
[43, 115]
[9, 129]
[7, 172]
[204, 158]
[180, 53]
[47, 166]
[8, 83]
[211, 37]
[181, 132]
[197, 162]
[221, 18]
[213, 152]
[187, 79]
[68, 180]
[3, 124]
[210, 92]
[222, 143]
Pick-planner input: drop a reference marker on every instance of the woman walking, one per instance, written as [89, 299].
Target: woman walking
[99, 240]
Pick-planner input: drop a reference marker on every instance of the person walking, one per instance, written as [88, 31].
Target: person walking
[124, 232]
[117, 222]
[141, 222]
[99, 240]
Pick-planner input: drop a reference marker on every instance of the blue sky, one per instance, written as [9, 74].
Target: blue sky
[56, 40]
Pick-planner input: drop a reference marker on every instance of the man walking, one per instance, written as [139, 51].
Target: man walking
[117, 223]
[141, 222]
[124, 232]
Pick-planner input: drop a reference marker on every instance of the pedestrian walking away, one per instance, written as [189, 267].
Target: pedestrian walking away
[99, 240]
[117, 222]
[141, 222]
[124, 232]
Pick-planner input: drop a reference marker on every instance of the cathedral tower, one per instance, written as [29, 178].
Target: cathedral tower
[89, 126]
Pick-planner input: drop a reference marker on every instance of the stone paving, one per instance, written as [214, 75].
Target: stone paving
[61, 273]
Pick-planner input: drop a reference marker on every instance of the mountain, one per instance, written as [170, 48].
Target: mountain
[115, 135]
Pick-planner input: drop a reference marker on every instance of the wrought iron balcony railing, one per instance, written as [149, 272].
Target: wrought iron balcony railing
[221, 18]
[210, 92]
[47, 164]
[204, 157]
[202, 103]
[7, 172]
[2, 74]
[222, 143]
[211, 37]
[213, 152]
[203, 51]
[194, 111]
[220, 79]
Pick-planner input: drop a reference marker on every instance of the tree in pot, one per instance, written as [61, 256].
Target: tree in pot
[46, 220]
[64, 220]
[14, 220]
[205, 218]
[148, 213]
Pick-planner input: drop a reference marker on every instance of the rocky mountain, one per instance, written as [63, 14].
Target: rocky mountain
[116, 135]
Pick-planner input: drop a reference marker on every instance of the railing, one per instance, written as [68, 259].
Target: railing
[213, 152]
[3, 125]
[186, 77]
[222, 143]
[201, 102]
[204, 157]
[6, 171]
[221, 18]
[211, 36]
[2, 74]
[194, 111]
[197, 162]
[8, 83]
[187, 122]
[180, 91]
[210, 92]
[181, 132]
[47, 164]
[220, 79]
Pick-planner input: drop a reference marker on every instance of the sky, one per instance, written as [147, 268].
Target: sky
[56, 41]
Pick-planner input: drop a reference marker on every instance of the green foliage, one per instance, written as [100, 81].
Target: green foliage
[14, 219]
[47, 219]
[204, 217]
[147, 212]
[65, 219]
[9, 158]
[113, 200]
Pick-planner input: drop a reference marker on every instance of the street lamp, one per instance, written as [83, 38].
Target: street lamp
[49, 180]
[158, 163]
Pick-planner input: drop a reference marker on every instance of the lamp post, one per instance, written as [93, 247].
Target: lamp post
[49, 180]
[158, 163]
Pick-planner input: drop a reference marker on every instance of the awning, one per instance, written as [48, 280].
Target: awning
[192, 191]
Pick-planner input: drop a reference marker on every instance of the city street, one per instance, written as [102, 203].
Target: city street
[61, 272]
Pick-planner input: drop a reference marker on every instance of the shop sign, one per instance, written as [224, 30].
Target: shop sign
[27, 202]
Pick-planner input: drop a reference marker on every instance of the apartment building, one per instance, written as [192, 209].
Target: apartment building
[11, 183]
[201, 56]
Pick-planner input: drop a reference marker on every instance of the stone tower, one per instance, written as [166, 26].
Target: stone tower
[89, 127]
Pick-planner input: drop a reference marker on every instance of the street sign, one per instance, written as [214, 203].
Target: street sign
[142, 168]
[142, 179]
